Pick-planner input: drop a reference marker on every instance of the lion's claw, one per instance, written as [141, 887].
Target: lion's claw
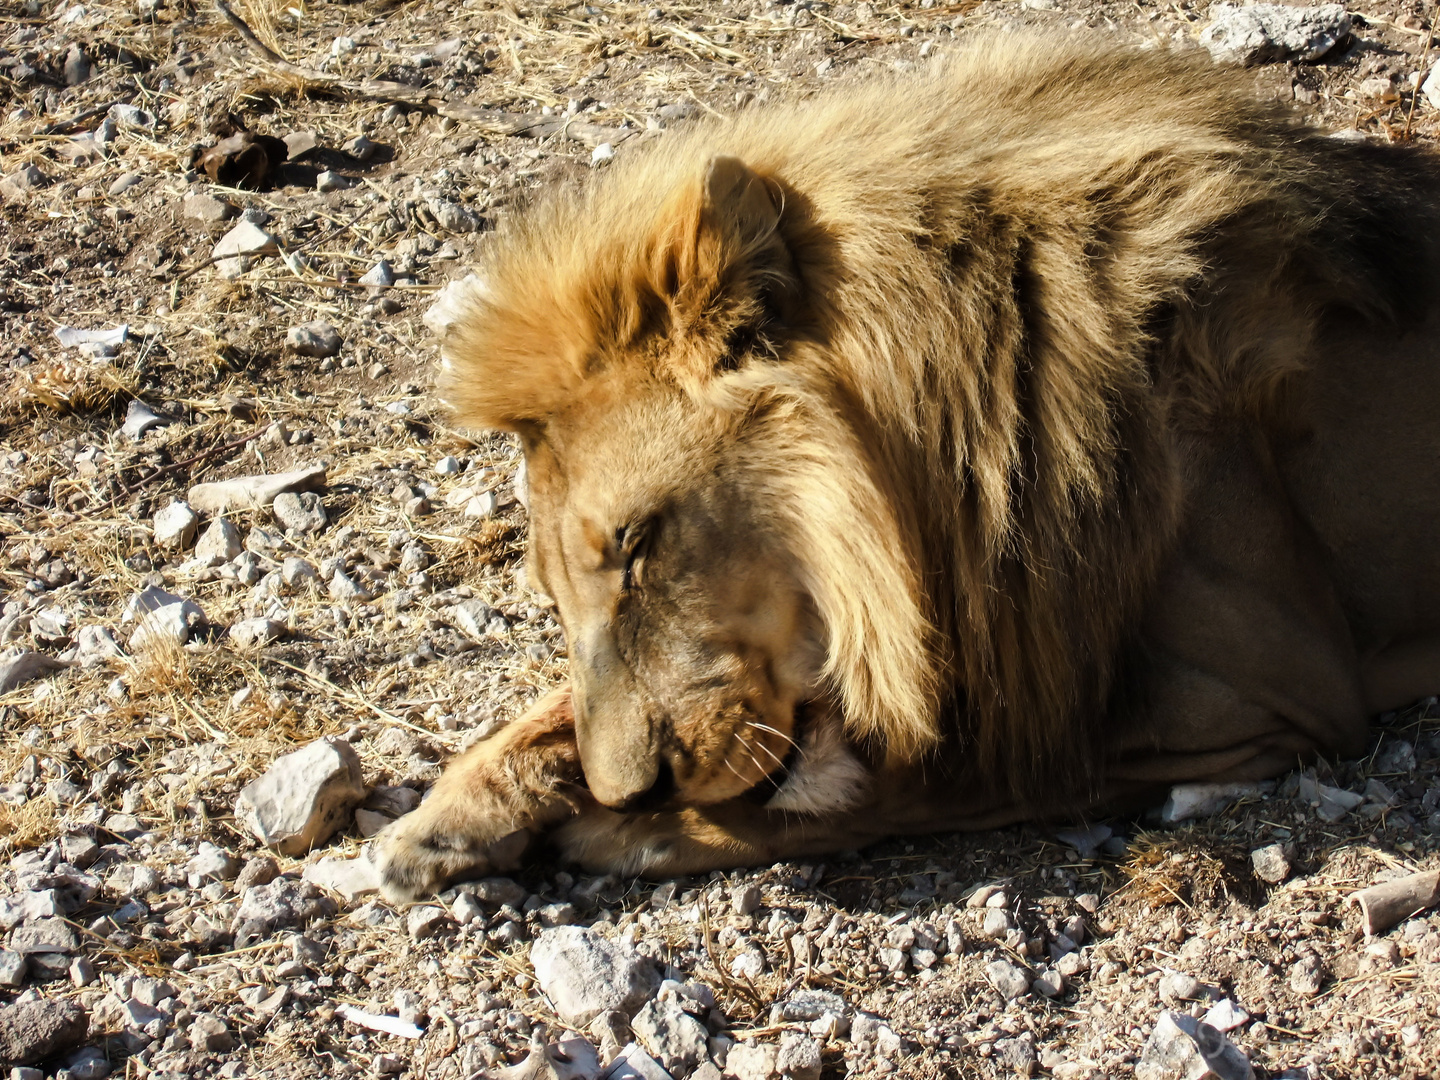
[416, 859]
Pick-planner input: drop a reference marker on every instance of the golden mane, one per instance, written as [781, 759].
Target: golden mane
[990, 336]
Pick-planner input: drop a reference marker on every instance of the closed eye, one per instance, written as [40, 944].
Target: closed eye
[633, 544]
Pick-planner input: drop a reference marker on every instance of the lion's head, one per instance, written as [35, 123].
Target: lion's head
[862, 413]
[689, 514]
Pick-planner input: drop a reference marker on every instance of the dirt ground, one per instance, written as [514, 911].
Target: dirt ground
[133, 761]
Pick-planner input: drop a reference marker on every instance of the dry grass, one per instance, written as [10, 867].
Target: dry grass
[1184, 867]
[66, 387]
[28, 826]
[269, 18]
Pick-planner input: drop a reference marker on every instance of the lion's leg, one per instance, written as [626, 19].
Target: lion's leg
[699, 839]
[484, 810]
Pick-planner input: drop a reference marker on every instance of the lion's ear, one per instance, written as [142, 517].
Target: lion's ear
[738, 204]
[720, 258]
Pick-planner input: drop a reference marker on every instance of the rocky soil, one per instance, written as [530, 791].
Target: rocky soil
[220, 237]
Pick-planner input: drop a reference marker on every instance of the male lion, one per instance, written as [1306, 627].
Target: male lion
[947, 450]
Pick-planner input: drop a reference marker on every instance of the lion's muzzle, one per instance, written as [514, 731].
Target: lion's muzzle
[619, 750]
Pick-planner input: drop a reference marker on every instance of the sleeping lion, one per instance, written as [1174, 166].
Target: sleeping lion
[1010, 441]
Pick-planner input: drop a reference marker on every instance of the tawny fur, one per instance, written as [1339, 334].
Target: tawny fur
[995, 304]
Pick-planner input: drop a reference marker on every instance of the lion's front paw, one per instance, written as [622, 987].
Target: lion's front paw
[419, 855]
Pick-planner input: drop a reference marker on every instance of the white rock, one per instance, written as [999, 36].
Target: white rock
[175, 526]
[1331, 804]
[472, 617]
[798, 1058]
[300, 512]
[345, 588]
[132, 880]
[360, 148]
[452, 302]
[1010, 980]
[124, 182]
[1270, 863]
[1048, 984]
[27, 667]
[1183, 1048]
[82, 974]
[330, 180]
[316, 338]
[219, 543]
[207, 208]
[448, 465]
[253, 492]
[71, 338]
[1431, 87]
[303, 797]
[244, 240]
[1262, 33]
[140, 418]
[584, 974]
[281, 902]
[483, 505]
[671, 1034]
[369, 823]
[31, 904]
[1178, 986]
[745, 899]
[131, 116]
[207, 1032]
[18, 185]
[633, 1063]
[453, 217]
[1225, 1015]
[136, 1014]
[807, 1004]
[12, 970]
[297, 572]
[172, 623]
[466, 908]
[749, 964]
[602, 153]
[398, 801]
[161, 616]
[751, 1062]
[379, 276]
[211, 863]
[997, 923]
[250, 633]
[1188, 801]
[426, 921]
[351, 878]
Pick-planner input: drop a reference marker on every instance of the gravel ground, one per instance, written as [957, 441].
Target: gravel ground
[383, 603]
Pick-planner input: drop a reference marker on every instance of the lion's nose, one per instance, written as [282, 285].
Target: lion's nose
[653, 797]
[634, 789]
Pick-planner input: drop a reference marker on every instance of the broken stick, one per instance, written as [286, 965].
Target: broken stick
[1391, 902]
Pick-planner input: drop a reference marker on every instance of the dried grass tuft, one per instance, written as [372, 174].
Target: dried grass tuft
[28, 826]
[267, 19]
[1183, 867]
[65, 387]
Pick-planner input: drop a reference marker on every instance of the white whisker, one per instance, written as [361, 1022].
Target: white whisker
[773, 731]
[773, 756]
